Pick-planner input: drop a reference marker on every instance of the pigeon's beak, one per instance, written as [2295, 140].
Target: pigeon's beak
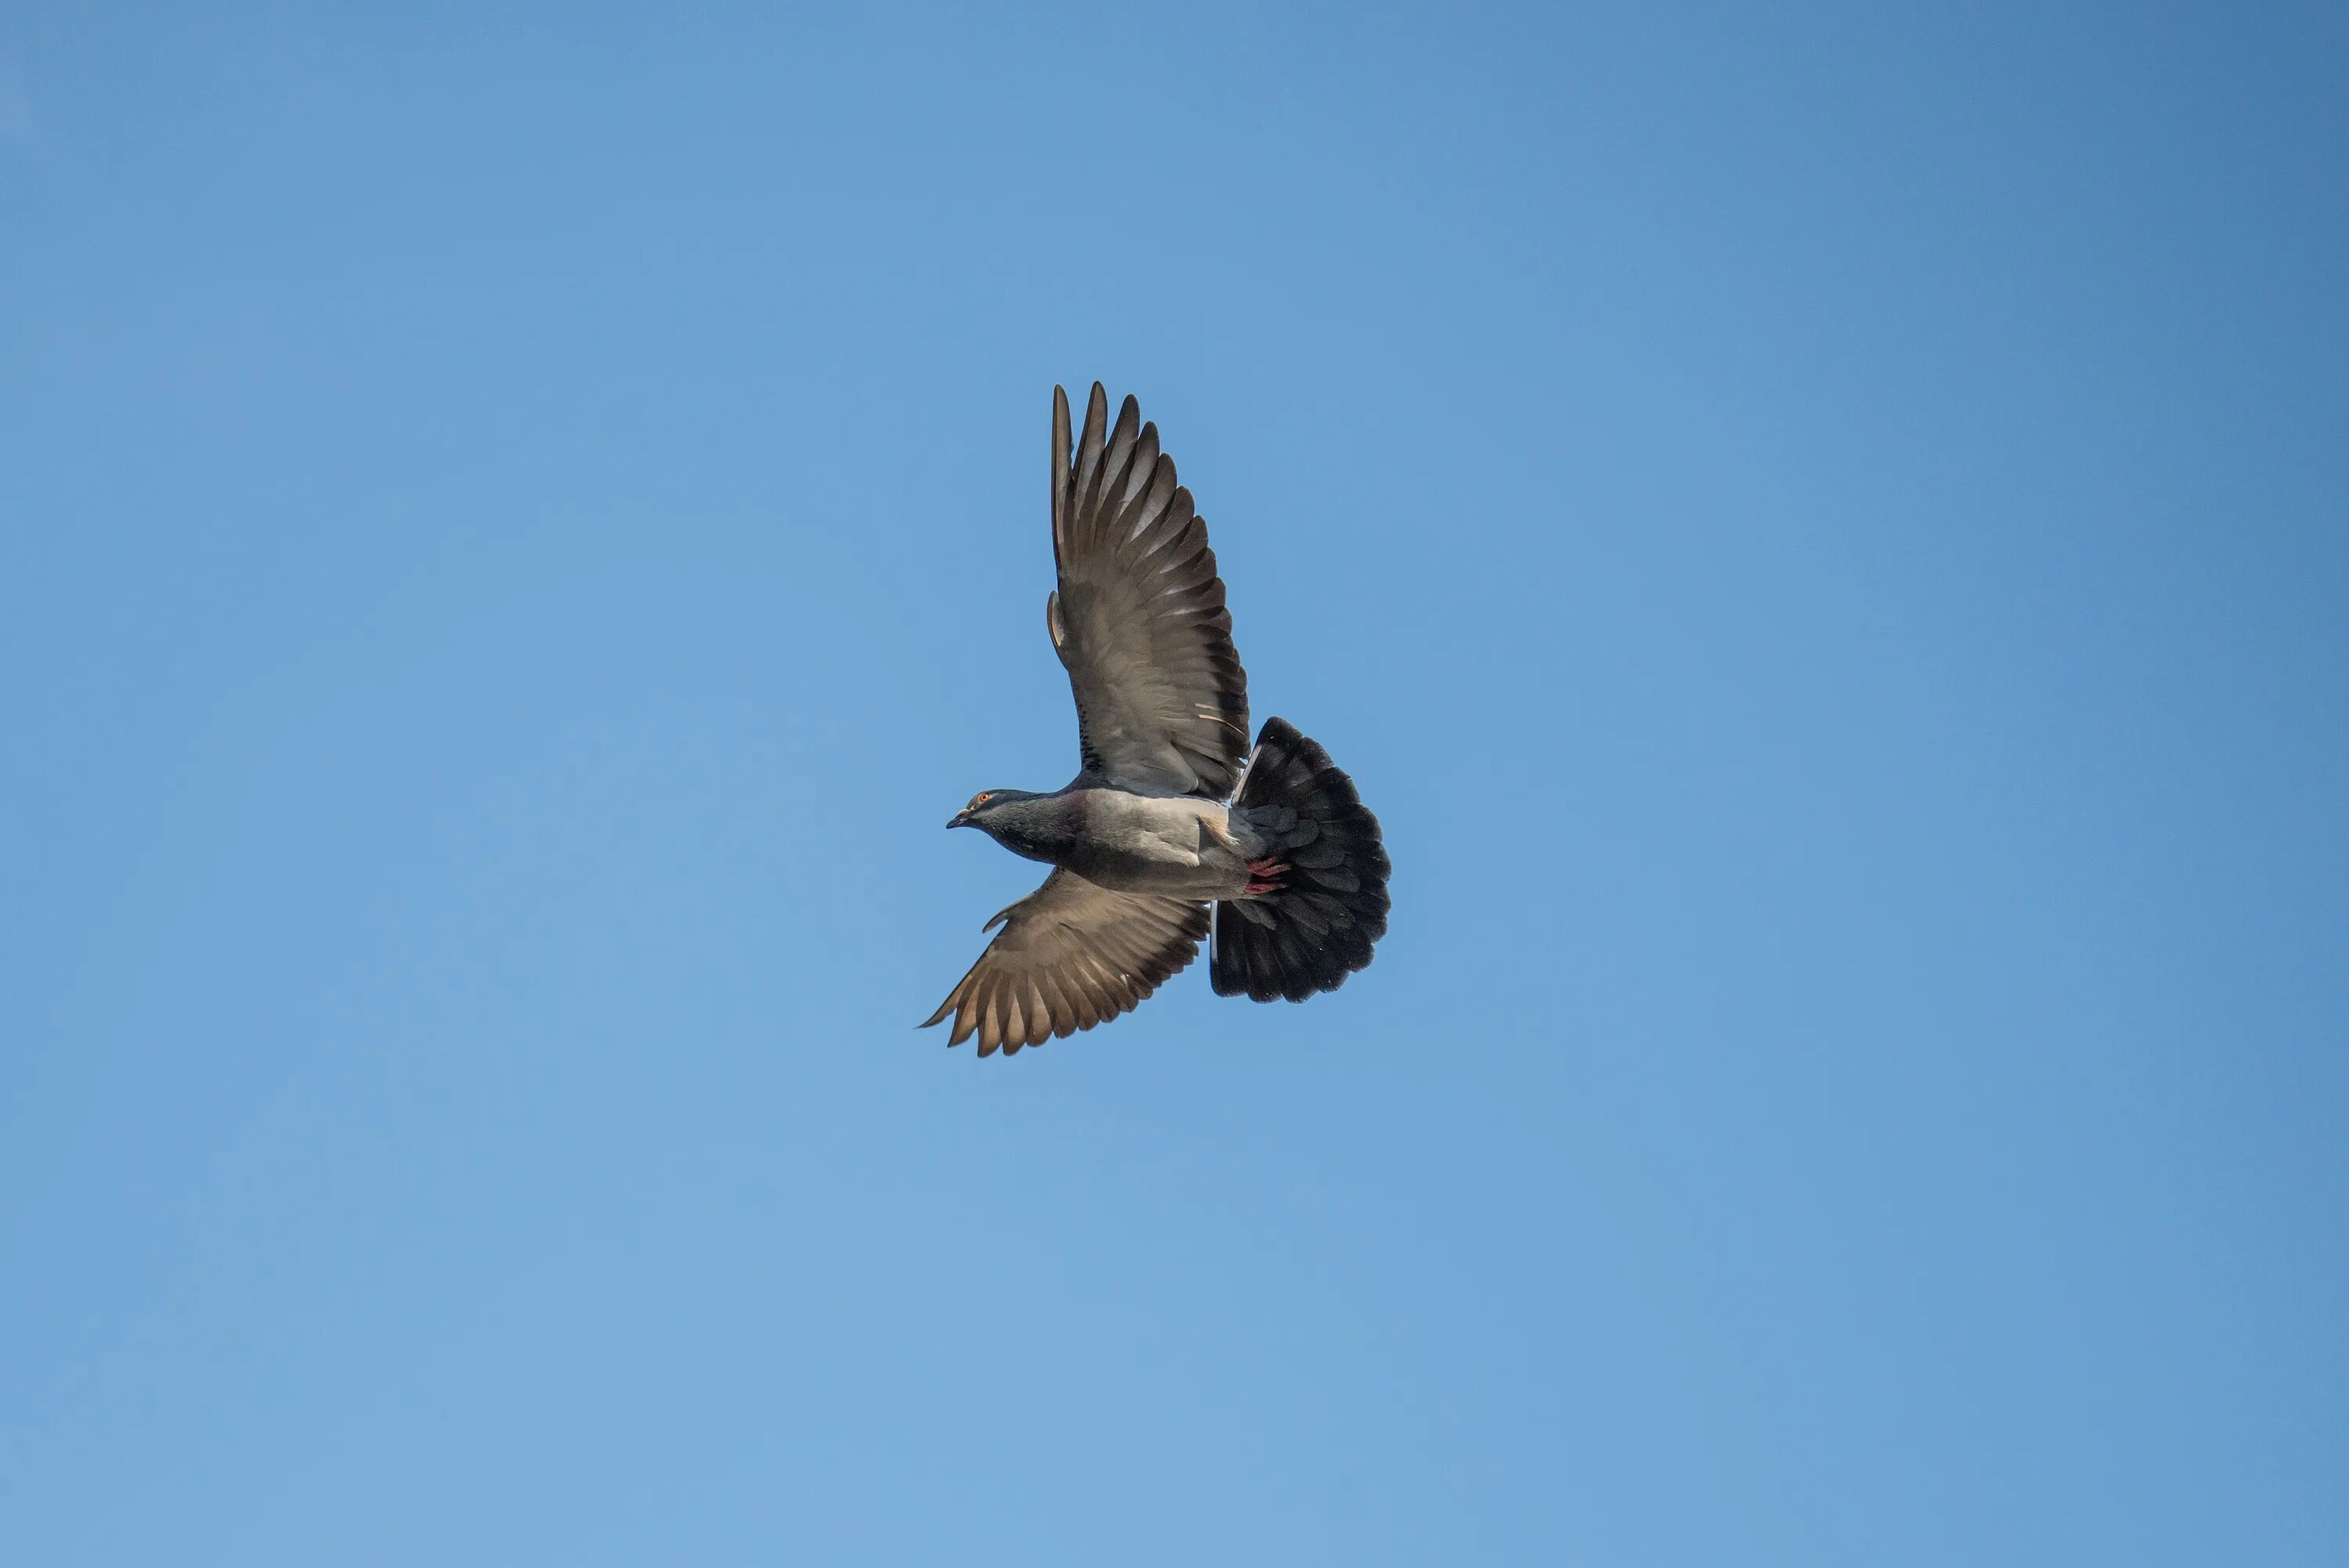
[960, 818]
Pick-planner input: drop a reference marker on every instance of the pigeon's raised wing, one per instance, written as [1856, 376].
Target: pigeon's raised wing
[1139, 619]
[1072, 954]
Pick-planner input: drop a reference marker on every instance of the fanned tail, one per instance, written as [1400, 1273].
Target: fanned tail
[1319, 924]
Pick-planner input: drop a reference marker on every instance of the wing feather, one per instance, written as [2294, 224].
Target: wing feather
[1139, 618]
[1070, 955]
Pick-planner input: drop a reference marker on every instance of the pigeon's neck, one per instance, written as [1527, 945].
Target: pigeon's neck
[1044, 828]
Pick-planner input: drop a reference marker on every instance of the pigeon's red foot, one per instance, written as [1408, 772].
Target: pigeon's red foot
[1264, 877]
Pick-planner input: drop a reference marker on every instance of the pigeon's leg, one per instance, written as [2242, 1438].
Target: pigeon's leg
[1264, 877]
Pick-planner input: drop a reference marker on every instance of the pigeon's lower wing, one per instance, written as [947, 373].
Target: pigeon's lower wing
[1139, 618]
[1070, 954]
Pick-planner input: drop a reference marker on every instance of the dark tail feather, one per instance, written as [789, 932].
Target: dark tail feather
[1320, 927]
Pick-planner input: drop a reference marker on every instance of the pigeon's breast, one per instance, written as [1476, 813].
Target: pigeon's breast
[1178, 845]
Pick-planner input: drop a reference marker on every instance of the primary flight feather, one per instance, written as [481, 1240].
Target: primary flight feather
[1174, 830]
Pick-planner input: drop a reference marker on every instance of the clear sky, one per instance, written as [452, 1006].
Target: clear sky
[1823, 536]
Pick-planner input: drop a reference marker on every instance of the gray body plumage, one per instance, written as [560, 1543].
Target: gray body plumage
[1177, 845]
[1171, 814]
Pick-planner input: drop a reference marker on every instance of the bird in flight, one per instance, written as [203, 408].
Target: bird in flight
[1174, 829]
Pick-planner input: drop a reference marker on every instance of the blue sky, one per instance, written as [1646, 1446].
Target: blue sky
[1822, 536]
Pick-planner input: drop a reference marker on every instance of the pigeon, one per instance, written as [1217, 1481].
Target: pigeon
[1174, 829]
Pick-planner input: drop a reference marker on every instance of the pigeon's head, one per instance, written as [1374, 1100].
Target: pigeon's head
[983, 805]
